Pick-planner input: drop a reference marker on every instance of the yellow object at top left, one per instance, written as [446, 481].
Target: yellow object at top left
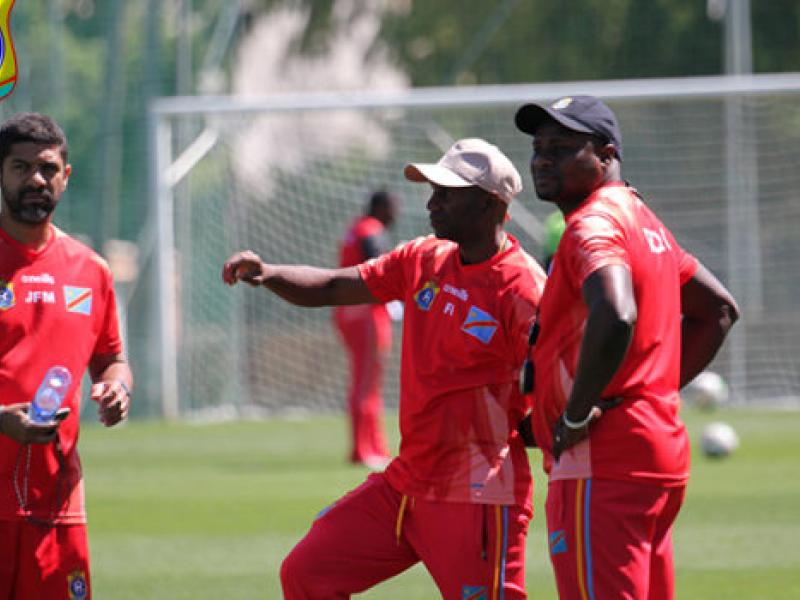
[8, 58]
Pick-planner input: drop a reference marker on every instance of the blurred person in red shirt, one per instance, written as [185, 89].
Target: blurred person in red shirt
[366, 331]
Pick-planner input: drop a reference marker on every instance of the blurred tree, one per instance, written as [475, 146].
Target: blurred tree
[513, 41]
[776, 35]
[545, 40]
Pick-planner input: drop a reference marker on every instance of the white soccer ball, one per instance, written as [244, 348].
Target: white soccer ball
[707, 391]
[719, 439]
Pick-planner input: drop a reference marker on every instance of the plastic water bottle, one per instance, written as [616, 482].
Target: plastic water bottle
[50, 394]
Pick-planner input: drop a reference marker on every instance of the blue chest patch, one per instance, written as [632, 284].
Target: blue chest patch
[480, 324]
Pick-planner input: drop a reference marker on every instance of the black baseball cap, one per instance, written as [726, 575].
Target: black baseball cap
[585, 114]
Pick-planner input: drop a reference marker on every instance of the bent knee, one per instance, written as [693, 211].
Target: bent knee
[293, 568]
[300, 579]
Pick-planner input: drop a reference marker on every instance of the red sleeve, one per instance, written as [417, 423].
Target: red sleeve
[385, 275]
[367, 227]
[594, 241]
[109, 341]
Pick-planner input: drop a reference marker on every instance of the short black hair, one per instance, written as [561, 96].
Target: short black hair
[601, 141]
[31, 127]
[380, 197]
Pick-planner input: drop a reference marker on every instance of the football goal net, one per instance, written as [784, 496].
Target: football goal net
[715, 157]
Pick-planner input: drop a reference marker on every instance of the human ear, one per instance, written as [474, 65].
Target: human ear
[608, 153]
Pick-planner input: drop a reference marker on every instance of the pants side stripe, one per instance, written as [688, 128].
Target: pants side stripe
[587, 547]
[579, 539]
[504, 554]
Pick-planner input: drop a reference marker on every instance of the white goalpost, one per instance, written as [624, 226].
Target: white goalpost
[283, 175]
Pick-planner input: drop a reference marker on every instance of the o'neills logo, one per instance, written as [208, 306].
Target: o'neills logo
[459, 293]
[43, 278]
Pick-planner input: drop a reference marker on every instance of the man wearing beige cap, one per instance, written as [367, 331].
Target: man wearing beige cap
[458, 496]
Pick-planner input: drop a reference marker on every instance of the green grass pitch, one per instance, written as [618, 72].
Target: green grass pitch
[207, 511]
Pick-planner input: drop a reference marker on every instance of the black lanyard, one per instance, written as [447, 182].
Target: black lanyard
[526, 374]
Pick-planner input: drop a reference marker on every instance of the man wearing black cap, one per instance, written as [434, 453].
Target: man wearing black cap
[627, 318]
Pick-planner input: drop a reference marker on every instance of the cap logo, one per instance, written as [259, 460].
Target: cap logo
[562, 103]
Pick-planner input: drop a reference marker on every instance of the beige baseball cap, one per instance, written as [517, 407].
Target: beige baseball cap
[468, 162]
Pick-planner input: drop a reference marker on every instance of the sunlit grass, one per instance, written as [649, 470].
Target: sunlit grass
[208, 511]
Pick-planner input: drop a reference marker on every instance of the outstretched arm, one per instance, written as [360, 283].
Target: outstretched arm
[709, 312]
[299, 284]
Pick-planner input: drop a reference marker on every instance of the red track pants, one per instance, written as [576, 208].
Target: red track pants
[612, 539]
[43, 563]
[472, 551]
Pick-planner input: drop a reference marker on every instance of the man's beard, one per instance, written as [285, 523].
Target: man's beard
[549, 191]
[32, 212]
